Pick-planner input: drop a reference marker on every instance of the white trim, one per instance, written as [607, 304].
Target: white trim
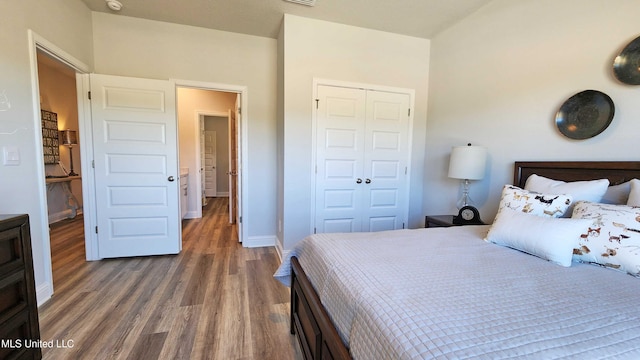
[282, 253]
[244, 150]
[222, 194]
[44, 291]
[83, 87]
[260, 241]
[314, 122]
[62, 215]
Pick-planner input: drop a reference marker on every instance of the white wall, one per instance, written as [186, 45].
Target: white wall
[318, 49]
[67, 24]
[499, 76]
[149, 49]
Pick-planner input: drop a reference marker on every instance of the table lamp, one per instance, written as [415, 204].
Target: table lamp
[467, 163]
[69, 138]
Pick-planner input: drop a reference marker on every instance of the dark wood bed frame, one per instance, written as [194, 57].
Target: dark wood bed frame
[317, 336]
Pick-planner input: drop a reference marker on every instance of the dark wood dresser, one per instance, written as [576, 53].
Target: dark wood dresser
[19, 329]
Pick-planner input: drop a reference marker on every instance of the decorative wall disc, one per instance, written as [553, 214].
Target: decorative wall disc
[585, 114]
[626, 66]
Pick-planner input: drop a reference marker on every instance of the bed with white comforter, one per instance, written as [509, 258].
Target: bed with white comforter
[446, 293]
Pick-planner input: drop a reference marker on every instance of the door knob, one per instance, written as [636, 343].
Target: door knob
[359, 181]
[368, 181]
[170, 178]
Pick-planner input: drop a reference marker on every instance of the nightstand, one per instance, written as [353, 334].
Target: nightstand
[431, 221]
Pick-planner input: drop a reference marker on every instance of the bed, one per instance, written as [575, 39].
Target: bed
[445, 293]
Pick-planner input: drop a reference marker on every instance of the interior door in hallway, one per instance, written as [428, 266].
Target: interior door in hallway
[136, 167]
[210, 164]
[362, 157]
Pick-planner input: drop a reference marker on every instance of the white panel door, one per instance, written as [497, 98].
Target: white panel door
[385, 161]
[339, 159]
[210, 163]
[136, 167]
[362, 156]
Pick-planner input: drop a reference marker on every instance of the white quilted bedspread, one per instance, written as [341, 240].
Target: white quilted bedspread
[444, 293]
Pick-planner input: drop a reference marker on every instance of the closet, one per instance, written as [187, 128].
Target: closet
[362, 152]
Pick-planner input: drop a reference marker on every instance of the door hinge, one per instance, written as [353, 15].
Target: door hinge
[89, 95]
[240, 219]
[96, 229]
[93, 164]
[239, 111]
[405, 170]
[314, 230]
[409, 112]
[403, 225]
[317, 102]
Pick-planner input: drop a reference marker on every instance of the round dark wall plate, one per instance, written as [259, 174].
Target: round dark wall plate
[626, 66]
[585, 114]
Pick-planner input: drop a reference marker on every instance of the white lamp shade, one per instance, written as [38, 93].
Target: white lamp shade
[468, 162]
[68, 137]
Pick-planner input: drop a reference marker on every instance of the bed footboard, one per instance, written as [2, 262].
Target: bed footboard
[310, 322]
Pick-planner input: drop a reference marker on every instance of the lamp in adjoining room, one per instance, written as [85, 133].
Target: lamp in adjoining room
[467, 163]
[69, 138]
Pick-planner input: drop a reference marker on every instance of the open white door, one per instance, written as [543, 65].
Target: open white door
[136, 166]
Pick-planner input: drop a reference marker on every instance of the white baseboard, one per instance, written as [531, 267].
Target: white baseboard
[282, 253]
[191, 215]
[62, 215]
[44, 292]
[260, 241]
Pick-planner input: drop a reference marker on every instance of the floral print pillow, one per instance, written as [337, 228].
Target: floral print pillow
[613, 238]
[530, 202]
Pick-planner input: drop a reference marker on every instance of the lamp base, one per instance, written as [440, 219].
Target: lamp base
[464, 199]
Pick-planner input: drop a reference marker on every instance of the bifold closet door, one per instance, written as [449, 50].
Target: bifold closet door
[385, 161]
[361, 159]
[339, 158]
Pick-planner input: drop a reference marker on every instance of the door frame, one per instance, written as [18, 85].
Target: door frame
[36, 42]
[243, 149]
[314, 124]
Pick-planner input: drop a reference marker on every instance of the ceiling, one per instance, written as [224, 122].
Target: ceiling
[419, 18]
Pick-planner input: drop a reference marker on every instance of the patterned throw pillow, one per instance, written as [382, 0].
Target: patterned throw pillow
[591, 190]
[533, 203]
[612, 239]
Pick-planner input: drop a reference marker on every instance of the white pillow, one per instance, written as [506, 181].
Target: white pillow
[580, 190]
[617, 194]
[533, 203]
[612, 239]
[634, 194]
[548, 238]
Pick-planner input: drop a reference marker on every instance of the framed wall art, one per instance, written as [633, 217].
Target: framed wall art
[50, 142]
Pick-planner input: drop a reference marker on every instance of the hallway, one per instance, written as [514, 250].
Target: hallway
[215, 300]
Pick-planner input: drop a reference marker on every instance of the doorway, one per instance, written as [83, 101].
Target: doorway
[63, 170]
[208, 119]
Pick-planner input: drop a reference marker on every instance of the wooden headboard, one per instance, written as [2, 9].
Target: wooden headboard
[616, 171]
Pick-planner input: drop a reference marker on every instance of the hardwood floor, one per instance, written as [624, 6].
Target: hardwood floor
[215, 300]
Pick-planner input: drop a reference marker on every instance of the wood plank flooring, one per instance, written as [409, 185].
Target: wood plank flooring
[215, 300]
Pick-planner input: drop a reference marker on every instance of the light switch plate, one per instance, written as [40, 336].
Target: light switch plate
[11, 155]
